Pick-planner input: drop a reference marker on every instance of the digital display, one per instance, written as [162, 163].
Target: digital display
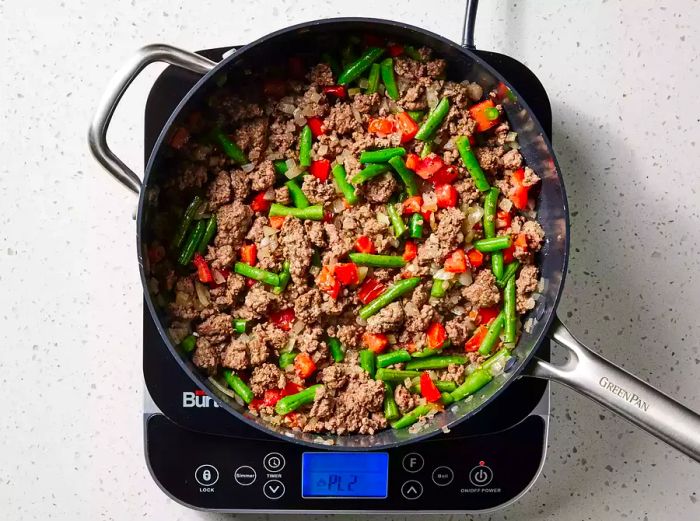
[345, 474]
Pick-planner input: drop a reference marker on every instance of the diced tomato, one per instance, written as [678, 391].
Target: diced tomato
[475, 341]
[519, 195]
[412, 204]
[508, 254]
[436, 335]
[479, 113]
[277, 221]
[275, 88]
[179, 138]
[382, 126]
[249, 254]
[296, 67]
[371, 288]
[346, 273]
[445, 176]
[412, 161]
[335, 90]
[203, 271]
[410, 251]
[428, 389]
[503, 220]
[259, 203]
[363, 244]
[156, 253]
[446, 196]
[395, 50]
[316, 126]
[407, 126]
[283, 319]
[271, 397]
[304, 366]
[320, 169]
[456, 262]
[328, 283]
[429, 165]
[476, 258]
[375, 342]
[291, 388]
[486, 315]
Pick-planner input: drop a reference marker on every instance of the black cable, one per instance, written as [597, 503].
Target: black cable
[469, 22]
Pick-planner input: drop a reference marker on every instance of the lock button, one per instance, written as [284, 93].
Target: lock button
[206, 475]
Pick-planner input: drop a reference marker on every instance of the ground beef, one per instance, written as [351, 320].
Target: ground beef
[418, 318]
[335, 376]
[459, 329]
[282, 138]
[512, 159]
[468, 193]
[219, 191]
[358, 407]
[282, 195]
[251, 136]
[263, 177]
[256, 232]
[408, 69]
[184, 307]
[297, 248]
[414, 98]
[404, 398]
[483, 292]
[350, 336]
[525, 285]
[258, 301]
[534, 233]
[475, 358]
[258, 350]
[313, 103]
[530, 178]
[220, 256]
[206, 356]
[445, 239]
[317, 191]
[190, 176]
[317, 236]
[232, 223]
[365, 103]
[436, 68]
[380, 188]
[453, 373]
[226, 295]
[341, 119]
[217, 328]
[387, 320]
[321, 74]
[266, 376]
[307, 307]
[236, 355]
[240, 184]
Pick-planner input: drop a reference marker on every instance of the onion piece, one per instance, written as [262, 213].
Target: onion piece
[228, 392]
[322, 149]
[269, 230]
[429, 202]
[202, 293]
[218, 276]
[441, 274]
[432, 97]
[287, 108]
[298, 327]
[363, 83]
[465, 279]
[362, 272]
[338, 206]
[383, 218]
[458, 310]
[248, 167]
[474, 215]
[314, 96]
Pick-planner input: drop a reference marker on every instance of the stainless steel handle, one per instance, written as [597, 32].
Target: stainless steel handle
[613, 387]
[97, 135]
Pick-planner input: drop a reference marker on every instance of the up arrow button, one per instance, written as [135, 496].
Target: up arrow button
[412, 489]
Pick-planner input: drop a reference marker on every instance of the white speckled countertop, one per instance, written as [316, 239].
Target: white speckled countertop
[623, 78]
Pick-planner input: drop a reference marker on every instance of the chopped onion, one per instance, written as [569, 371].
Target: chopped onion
[505, 204]
[287, 108]
[292, 170]
[269, 194]
[269, 230]
[393, 107]
[527, 326]
[265, 241]
[228, 392]
[274, 243]
[314, 270]
[308, 111]
[244, 337]
[338, 205]
[290, 344]
[202, 293]
[541, 285]
[298, 327]
[391, 339]
[474, 215]
[432, 97]
[383, 218]
[299, 118]
[354, 91]
[450, 145]
[465, 279]
[356, 114]
[322, 149]
[511, 136]
[218, 276]
[248, 167]
[363, 83]
[360, 321]
[362, 272]
[514, 145]
[441, 274]
[429, 202]
[458, 310]
[314, 96]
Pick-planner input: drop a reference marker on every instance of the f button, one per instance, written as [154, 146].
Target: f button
[413, 462]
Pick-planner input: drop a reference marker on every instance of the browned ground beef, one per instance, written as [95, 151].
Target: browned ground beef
[266, 124]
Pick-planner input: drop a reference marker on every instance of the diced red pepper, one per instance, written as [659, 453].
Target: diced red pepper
[519, 195]
[304, 366]
[249, 283]
[503, 220]
[479, 113]
[475, 341]
[521, 241]
[255, 404]
[335, 90]
[502, 91]
[476, 258]
[364, 244]
[259, 203]
[156, 253]
[429, 165]
[436, 335]
[412, 161]
[292, 419]
[249, 254]
[203, 271]
[179, 138]
[327, 282]
[275, 88]
[445, 176]
[407, 126]
[395, 50]
[346, 273]
[375, 342]
[412, 204]
[382, 126]
[296, 67]
[446, 196]
[486, 315]
[508, 254]
[277, 221]
[316, 126]
[328, 217]
[320, 169]
[371, 288]
[428, 389]
[271, 397]
[283, 319]
[456, 262]
[410, 251]
[291, 388]
[426, 215]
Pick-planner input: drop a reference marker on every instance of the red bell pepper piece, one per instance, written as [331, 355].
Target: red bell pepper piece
[328, 283]
[436, 335]
[179, 138]
[271, 397]
[371, 288]
[446, 196]
[346, 273]
[275, 88]
[521, 241]
[407, 126]
[480, 113]
[412, 161]
[296, 67]
[277, 221]
[375, 342]
[382, 126]
[249, 254]
[476, 258]
[283, 319]
[475, 341]
[203, 271]
[316, 126]
[304, 366]
[156, 253]
[456, 262]
[412, 204]
[364, 244]
[259, 203]
[503, 220]
[291, 388]
[445, 176]
[255, 404]
[508, 254]
[519, 195]
[410, 251]
[292, 419]
[486, 315]
[428, 389]
[429, 165]
[335, 90]
[395, 50]
[320, 169]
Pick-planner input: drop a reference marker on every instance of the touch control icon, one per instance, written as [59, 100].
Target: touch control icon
[412, 489]
[206, 475]
[480, 476]
[274, 462]
[245, 475]
[273, 489]
[413, 462]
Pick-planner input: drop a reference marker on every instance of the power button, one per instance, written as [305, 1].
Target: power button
[480, 476]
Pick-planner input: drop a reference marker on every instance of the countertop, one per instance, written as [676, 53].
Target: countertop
[623, 79]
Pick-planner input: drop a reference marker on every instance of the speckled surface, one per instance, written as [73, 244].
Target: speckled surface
[623, 77]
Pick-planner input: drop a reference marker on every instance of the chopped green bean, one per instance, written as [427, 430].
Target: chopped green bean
[188, 343]
[353, 71]
[436, 362]
[280, 166]
[254, 273]
[472, 164]
[415, 226]
[406, 175]
[286, 359]
[239, 386]
[497, 264]
[285, 276]
[209, 233]
[389, 295]
[511, 317]
[373, 80]
[492, 335]
[472, 384]
[395, 375]
[189, 214]
[490, 209]
[370, 171]
[411, 417]
[312, 213]
[416, 115]
[413, 53]
[296, 194]
[305, 144]
[368, 362]
[396, 221]
[446, 398]
[426, 150]
[509, 272]
[193, 239]
[336, 349]
[391, 410]
[230, 148]
[439, 288]
[498, 243]
[434, 120]
[445, 386]
[393, 357]
[341, 181]
[387, 70]
[382, 155]
[240, 325]
[502, 353]
[377, 261]
[292, 402]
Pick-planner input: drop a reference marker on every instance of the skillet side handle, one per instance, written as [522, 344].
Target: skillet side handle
[613, 387]
[97, 135]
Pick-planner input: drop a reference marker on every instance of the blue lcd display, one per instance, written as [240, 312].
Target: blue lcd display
[345, 474]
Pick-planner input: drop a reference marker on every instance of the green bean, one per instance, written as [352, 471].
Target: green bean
[336, 349]
[382, 155]
[292, 402]
[472, 164]
[370, 171]
[389, 295]
[373, 80]
[439, 288]
[413, 53]
[189, 214]
[498, 243]
[426, 150]
[434, 120]
[240, 325]
[312, 213]
[445, 386]
[239, 386]
[472, 383]
[497, 264]
[193, 239]
[305, 144]
[416, 115]
[316, 259]
[377, 261]
[280, 166]
[393, 357]
[492, 335]
[296, 194]
[254, 273]
[285, 276]
[341, 181]
[490, 209]
[332, 63]
[504, 352]
[509, 272]
[395, 375]
[387, 71]
[188, 343]
[353, 71]
[436, 362]
[396, 221]
[511, 317]
[391, 410]
[230, 148]
[426, 352]
[446, 398]
[406, 175]
[368, 362]
[411, 417]
[209, 233]
[286, 359]
[415, 226]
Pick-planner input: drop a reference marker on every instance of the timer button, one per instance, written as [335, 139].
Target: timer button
[480, 476]
[274, 462]
[273, 489]
[206, 475]
[413, 462]
[412, 489]
[443, 476]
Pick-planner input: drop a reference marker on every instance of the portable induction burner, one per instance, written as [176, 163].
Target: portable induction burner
[204, 458]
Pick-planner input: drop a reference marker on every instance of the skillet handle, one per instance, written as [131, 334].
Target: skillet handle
[97, 135]
[613, 387]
